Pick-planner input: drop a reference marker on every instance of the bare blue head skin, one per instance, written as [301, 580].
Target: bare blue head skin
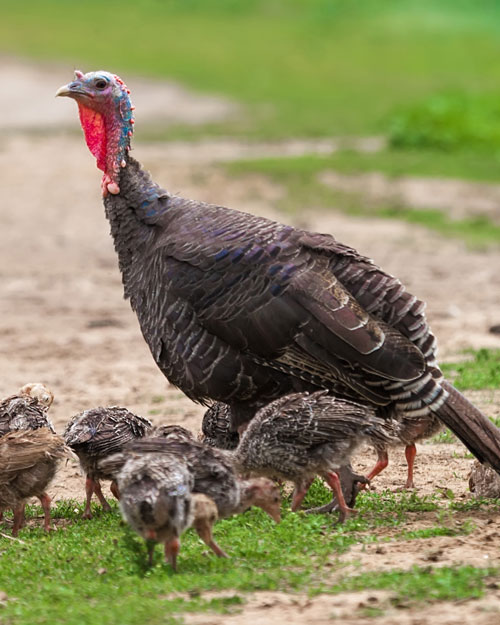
[107, 120]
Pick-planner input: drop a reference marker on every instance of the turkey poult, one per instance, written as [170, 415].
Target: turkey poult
[157, 502]
[28, 462]
[410, 431]
[299, 436]
[241, 309]
[27, 410]
[484, 482]
[177, 432]
[216, 432]
[97, 433]
[216, 427]
[214, 475]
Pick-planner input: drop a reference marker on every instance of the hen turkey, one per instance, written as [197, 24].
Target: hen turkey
[241, 309]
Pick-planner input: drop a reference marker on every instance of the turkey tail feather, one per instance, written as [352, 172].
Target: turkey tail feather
[471, 426]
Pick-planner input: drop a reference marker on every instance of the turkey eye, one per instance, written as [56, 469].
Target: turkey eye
[100, 83]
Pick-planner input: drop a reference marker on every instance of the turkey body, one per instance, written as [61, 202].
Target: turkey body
[156, 499]
[212, 470]
[241, 309]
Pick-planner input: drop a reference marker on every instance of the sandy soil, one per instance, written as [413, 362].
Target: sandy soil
[63, 320]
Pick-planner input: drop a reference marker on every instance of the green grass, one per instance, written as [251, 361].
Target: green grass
[480, 370]
[95, 572]
[424, 583]
[466, 165]
[450, 121]
[302, 67]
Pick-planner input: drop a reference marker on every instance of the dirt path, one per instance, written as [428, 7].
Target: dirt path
[63, 320]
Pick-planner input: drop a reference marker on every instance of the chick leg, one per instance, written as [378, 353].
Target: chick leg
[351, 484]
[299, 493]
[204, 531]
[410, 453]
[172, 549]
[334, 482]
[45, 501]
[89, 490]
[97, 489]
[18, 519]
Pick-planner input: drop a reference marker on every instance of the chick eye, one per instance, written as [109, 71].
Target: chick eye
[100, 83]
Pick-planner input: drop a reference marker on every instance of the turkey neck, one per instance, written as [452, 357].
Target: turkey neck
[133, 214]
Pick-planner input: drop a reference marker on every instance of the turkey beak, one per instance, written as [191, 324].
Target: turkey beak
[64, 91]
[72, 90]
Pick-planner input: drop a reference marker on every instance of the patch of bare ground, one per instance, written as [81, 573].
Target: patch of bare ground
[352, 608]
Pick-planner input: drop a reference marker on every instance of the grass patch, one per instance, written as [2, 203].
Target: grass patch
[303, 67]
[481, 370]
[424, 583]
[94, 572]
[467, 165]
[450, 121]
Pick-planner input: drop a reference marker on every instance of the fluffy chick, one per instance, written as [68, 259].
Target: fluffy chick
[216, 428]
[215, 476]
[28, 462]
[27, 410]
[157, 502]
[300, 436]
[411, 430]
[96, 434]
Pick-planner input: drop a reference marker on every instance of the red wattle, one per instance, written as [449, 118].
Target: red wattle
[94, 129]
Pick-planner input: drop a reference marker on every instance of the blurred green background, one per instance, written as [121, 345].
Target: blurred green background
[425, 71]
[423, 74]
